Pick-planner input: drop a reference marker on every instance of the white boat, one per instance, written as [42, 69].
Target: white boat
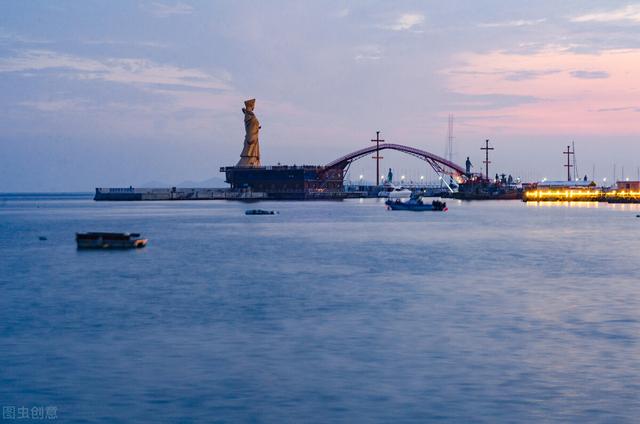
[400, 193]
[392, 192]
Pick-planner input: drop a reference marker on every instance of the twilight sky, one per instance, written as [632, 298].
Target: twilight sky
[113, 93]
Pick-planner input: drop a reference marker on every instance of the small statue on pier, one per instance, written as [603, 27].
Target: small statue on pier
[250, 156]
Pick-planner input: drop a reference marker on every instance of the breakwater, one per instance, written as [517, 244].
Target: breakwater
[173, 193]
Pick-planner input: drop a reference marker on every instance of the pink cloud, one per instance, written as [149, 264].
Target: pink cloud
[575, 93]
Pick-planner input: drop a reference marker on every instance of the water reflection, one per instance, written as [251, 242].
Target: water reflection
[586, 205]
[337, 310]
[555, 204]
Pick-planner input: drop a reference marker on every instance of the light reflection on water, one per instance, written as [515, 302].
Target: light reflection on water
[593, 205]
[330, 311]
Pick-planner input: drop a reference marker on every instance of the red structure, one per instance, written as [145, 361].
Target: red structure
[323, 182]
[439, 164]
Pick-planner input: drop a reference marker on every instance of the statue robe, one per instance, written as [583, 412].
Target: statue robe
[250, 155]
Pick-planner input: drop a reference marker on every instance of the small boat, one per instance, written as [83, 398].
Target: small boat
[393, 192]
[416, 204]
[259, 212]
[109, 240]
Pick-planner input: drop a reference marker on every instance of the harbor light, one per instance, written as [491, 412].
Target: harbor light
[402, 178]
[544, 179]
[604, 180]
[361, 176]
[421, 177]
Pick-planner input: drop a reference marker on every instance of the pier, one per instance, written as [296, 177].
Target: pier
[173, 193]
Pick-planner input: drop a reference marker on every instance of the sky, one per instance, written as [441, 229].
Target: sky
[118, 93]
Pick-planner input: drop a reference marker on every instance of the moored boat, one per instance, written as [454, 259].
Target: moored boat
[392, 192]
[416, 204]
[101, 240]
[259, 212]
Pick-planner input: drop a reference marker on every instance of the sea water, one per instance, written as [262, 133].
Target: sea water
[327, 312]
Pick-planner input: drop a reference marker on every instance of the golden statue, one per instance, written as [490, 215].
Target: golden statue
[250, 155]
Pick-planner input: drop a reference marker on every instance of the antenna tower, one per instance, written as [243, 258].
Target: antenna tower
[576, 174]
[449, 154]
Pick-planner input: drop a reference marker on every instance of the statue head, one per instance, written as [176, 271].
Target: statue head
[250, 104]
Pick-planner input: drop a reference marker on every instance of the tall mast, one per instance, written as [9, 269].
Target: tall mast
[377, 157]
[486, 161]
[568, 165]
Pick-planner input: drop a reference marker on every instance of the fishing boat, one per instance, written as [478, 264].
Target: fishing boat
[415, 203]
[98, 240]
[259, 212]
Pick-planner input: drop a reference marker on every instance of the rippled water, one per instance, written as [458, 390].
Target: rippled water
[328, 312]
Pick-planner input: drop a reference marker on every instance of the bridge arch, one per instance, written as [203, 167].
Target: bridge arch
[439, 164]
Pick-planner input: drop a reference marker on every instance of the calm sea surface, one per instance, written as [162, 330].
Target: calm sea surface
[328, 312]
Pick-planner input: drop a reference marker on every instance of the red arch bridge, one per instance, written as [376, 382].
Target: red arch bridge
[312, 181]
[440, 165]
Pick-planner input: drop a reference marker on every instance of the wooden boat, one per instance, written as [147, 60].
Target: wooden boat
[416, 204]
[97, 240]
